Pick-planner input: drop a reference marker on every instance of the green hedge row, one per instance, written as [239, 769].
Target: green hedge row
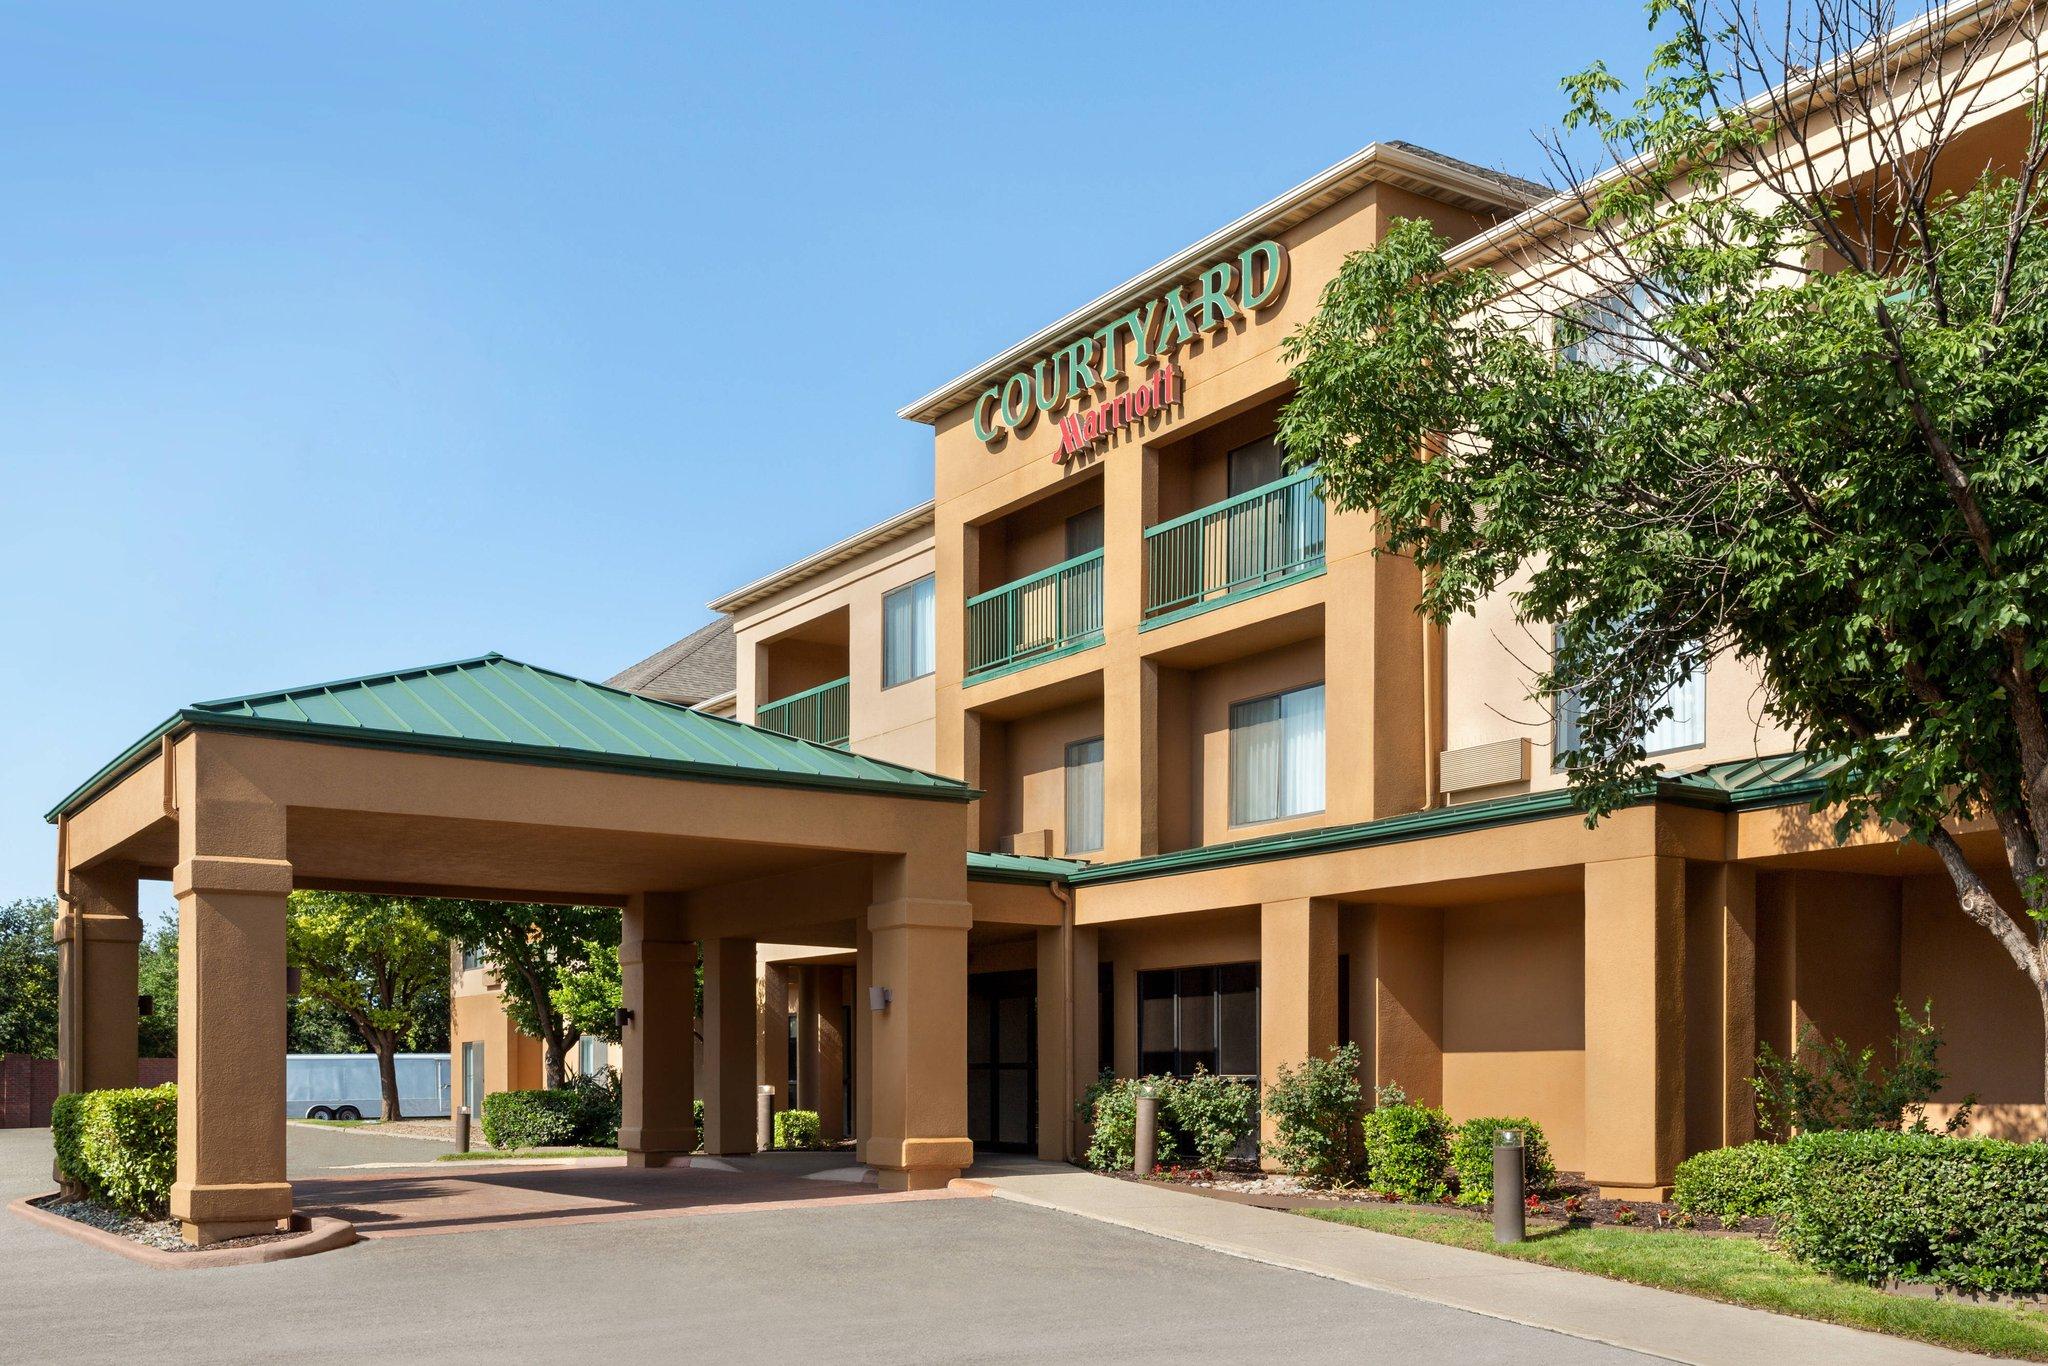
[798, 1129]
[1965, 1212]
[1733, 1184]
[1204, 1116]
[120, 1147]
[582, 1114]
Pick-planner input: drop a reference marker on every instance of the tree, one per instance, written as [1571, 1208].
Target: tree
[373, 959]
[537, 952]
[1747, 408]
[28, 977]
[157, 978]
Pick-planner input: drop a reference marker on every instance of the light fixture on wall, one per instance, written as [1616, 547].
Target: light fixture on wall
[145, 1005]
[878, 998]
[621, 1018]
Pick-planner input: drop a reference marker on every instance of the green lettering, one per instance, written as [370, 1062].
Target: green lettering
[987, 401]
[1274, 259]
[1213, 307]
[1179, 328]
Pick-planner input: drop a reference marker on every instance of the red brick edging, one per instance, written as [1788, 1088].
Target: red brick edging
[309, 1235]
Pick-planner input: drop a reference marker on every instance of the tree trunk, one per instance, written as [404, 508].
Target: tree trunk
[387, 1076]
[555, 1068]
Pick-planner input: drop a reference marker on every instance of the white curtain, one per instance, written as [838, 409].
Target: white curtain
[1084, 797]
[1301, 751]
[909, 632]
[1686, 727]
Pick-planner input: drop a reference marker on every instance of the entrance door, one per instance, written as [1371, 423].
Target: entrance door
[1002, 1060]
[473, 1079]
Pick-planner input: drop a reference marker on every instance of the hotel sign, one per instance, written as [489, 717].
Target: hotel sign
[1144, 339]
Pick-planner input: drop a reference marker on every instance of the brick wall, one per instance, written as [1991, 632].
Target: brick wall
[29, 1085]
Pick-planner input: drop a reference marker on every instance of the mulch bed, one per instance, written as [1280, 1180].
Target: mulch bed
[161, 1234]
[1572, 1200]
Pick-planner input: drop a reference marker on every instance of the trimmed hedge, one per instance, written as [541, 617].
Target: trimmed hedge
[1315, 1110]
[1965, 1212]
[582, 1114]
[798, 1129]
[1733, 1184]
[1408, 1150]
[1205, 1116]
[1472, 1157]
[121, 1146]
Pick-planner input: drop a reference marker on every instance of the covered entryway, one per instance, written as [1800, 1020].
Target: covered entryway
[493, 779]
[1002, 1060]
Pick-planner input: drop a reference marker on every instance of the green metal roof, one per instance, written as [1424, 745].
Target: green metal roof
[1739, 785]
[494, 707]
[983, 867]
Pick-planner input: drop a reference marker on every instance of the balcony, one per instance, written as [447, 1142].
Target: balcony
[1052, 612]
[818, 714]
[1258, 540]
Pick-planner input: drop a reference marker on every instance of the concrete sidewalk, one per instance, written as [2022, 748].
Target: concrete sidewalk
[1654, 1322]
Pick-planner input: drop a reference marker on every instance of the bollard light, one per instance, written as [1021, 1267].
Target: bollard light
[1510, 1218]
[1146, 1147]
[462, 1128]
[764, 1118]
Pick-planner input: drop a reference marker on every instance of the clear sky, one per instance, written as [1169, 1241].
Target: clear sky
[345, 338]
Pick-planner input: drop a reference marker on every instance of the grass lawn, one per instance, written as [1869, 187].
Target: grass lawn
[525, 1154]
[1739, 1270]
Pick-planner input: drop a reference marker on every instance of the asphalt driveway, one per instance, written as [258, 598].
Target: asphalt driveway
[933, 1280]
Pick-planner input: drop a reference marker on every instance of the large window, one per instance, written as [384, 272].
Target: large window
[592, 1056]
[1255, 465]
[1685, 728]
[1084, 796]
[472, 958]
[1276, 756]
[1206, 1017]
[909, 632]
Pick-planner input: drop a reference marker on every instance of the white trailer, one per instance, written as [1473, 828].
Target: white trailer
[345, 1086]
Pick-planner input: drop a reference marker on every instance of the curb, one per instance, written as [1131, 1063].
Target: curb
[316, 1233]
[367, 1131]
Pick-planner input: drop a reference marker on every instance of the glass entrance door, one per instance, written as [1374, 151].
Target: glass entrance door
[1002, 1060]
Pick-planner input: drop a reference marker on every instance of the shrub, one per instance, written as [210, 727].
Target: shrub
[120, 1147]
[598, 1106]
[1211, 1115]
[1408, 1148]
[697, 1116]
[1113, 1101]
[798, 1129]
[1315, 1111]
[582, 1113]
[1965, 1212]
[1733, 1184]
[1472, 1157]
[1825, 1086]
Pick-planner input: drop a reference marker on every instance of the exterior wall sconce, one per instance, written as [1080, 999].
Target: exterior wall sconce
[878, 999]
[621, 1018]
[145, 1006]
[291, 981]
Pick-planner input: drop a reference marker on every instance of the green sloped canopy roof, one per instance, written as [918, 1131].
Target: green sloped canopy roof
[986, 867]
[498, 707]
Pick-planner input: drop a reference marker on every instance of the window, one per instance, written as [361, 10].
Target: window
[1207, 1017]
[1276, 756]
[1256, 464]
[1685, 728]
[592, 1056]
[472, 958]
[1619, 333]
[909, 632]
[1084, 532]
[1105, 1018]
[1084, 796]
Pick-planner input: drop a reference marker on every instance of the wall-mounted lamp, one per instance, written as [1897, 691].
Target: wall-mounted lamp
[878, 998]
[145, 1006]
[291, 981]
[621, 1018]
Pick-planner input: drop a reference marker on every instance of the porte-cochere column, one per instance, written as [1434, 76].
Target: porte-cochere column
[657, 985]
[98, 934]
[914, 1092]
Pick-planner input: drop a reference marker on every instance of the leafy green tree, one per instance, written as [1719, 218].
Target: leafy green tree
[313, 1026]
[28, 977]
[537, 952]
[1745, 410]
[373, 960]
[157, 978]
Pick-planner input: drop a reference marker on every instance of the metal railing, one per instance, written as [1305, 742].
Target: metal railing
[1258, 537]
[818, 713]
[1046, 612]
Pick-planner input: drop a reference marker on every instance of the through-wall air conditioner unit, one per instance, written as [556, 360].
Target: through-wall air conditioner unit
[1492, 764]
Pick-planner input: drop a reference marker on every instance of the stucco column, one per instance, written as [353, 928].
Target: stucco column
[97, 933]
[863, 1060]
[657, 983]
[1057, 1007]
[730, 1022]
[1130, 720]
[1721, 995]
[771, 1065]
[1297, 987]
[916, 1087]
[1407, 977]
[1372, 676]
[231, 883]
[1085, 1044]
[832, 1053]
[1635, 1025]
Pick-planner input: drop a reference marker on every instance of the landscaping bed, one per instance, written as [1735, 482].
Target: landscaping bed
[161, 1234]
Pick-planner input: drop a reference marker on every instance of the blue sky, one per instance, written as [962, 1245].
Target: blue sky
[336, 339]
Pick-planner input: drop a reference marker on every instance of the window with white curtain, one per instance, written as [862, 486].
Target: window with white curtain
[592, 1057]
[1276, 756]
[909, 632]
[1685, 728]
[1084, 796]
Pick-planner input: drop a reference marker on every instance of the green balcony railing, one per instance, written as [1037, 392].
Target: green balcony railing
[1053, 610]
[818, 714]
[1215, 553]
